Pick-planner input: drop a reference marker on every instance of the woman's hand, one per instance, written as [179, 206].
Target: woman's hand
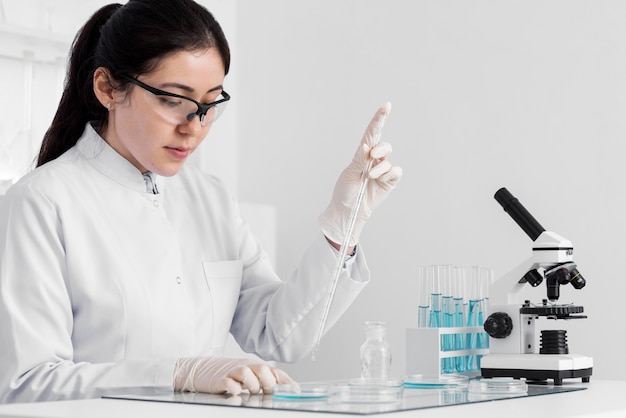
[383, 177]
[225, 375]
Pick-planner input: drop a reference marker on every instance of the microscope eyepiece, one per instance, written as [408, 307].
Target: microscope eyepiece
[520, 215]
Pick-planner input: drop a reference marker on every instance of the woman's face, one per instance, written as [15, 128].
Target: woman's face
[141, 134]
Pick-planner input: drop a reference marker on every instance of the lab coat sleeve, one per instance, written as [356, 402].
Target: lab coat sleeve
[36, 359]
[279, 320]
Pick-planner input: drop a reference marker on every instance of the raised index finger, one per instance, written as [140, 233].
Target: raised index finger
[372, 133]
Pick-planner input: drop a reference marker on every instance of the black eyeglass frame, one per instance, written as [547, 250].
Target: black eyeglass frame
[203, 108]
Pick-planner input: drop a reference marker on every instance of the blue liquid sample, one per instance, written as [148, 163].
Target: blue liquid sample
[459, 341]
[447, 342]
[473, 317]
[435, 311]
[481, 339]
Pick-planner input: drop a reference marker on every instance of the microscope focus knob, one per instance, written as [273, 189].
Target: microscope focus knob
[498, 325]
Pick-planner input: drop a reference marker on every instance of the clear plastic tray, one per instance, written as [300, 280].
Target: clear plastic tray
[300, 392]
[367, 391]
[497, 386]
[444, 381]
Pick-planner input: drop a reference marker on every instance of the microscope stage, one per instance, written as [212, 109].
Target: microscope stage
[537, 366]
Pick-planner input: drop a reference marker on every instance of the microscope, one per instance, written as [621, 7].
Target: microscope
[512, 323]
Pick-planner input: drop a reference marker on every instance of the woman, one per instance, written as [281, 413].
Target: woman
[122, 268]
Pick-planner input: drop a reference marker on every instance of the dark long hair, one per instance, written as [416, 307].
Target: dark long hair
[128, 39]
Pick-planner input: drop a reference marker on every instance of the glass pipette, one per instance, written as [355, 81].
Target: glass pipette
[346, 239]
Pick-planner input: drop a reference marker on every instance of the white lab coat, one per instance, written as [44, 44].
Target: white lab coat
[103, 286]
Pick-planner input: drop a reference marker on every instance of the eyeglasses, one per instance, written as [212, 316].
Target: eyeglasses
[179, 109]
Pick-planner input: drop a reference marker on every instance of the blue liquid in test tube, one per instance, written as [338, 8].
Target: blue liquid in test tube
[448, 339]
[484, 281]
[473, 318]
[459, 343]
[435, 310]
[481, 337]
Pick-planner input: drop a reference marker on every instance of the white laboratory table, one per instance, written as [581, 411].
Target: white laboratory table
[603, 398]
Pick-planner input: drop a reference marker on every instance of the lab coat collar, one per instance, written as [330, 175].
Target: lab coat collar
[108, 161]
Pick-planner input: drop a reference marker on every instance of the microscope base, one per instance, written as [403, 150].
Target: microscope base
[537, 366]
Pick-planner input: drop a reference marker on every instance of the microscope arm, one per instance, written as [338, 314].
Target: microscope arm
[506, 289]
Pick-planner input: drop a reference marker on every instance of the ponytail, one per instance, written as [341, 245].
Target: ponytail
[78, 103]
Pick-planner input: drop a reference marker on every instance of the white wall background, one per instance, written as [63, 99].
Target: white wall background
[529, 94]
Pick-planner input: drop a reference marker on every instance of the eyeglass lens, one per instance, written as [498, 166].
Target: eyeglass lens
[179, 111]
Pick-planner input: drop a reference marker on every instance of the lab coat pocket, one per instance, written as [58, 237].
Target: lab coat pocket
[223, 279]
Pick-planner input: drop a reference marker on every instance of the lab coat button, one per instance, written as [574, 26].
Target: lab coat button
[155, 203]
[179, 280]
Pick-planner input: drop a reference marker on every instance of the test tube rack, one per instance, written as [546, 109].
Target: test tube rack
[425, 349]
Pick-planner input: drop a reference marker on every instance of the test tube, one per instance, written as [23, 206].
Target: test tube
[479, 287]
[459, 317]
[435, 297]
[474, 316]
[486, 276]
[423, 313]
[447, 278]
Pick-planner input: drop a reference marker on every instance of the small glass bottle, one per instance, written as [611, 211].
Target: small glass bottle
[375, 351]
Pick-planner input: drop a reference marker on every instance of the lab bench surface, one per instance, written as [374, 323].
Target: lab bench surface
[602, 398]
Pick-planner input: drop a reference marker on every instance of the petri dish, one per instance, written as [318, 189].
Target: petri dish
[367, 391]
[497, 386]
[376, 381]
[443, 381]
[300, 392]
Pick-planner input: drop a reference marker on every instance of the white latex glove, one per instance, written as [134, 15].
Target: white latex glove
[383, 177]
[226, 375]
